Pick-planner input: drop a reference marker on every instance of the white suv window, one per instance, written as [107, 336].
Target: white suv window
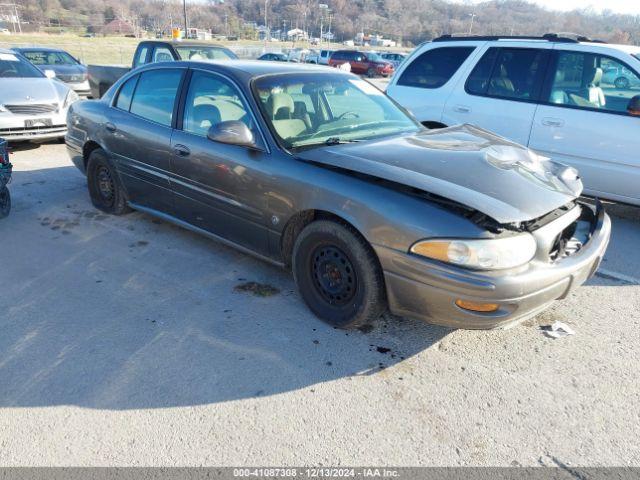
[434, 68]
[510, 73]
[591, 81]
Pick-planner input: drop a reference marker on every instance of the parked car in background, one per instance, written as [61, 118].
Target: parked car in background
[550, 93]
[395, 58]
[320, 58]
[319, 170]
[362, 63]
[101, 77]
[67, 68]
[298, 55]
[32, 105]
[273, 57]
[5, 31]
[621, 77]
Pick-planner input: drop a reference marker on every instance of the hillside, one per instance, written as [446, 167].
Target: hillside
[411, 21]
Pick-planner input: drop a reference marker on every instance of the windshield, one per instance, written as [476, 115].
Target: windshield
[49, 58]
[637, 55]
[205, 53]
[12, 66]
[306, 110]
[374, 57]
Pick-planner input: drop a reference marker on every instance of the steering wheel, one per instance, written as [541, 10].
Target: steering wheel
[343, 115]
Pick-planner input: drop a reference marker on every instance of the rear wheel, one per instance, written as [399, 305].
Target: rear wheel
[622, 83]
[338, 275]
[371, 73]
[5, 202]
[104, 186]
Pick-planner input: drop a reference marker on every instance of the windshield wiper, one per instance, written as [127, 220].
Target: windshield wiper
[338, 141]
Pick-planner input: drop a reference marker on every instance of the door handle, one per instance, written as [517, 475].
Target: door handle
[552, 122]
[181, 150]
[110, 127]
[462, 109]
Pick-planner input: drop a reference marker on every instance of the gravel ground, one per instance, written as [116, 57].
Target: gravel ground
[124, 341]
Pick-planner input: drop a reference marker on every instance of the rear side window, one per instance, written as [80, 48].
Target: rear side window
[155, 95]
[162, 54]
[126, 93]
[515, 73]
[435, 67]
[141, 58]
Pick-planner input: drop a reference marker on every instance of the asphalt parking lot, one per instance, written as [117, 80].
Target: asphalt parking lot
[124, 341]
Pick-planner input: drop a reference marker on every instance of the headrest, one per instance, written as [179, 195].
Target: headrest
[280, 105]
[205, 112]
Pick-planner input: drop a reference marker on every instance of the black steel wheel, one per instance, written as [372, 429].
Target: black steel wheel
[338, 275]
[371, 73]
[5, 202]
[104, 186]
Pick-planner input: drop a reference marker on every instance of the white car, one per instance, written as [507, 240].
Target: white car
[33, 105]
[556, 95]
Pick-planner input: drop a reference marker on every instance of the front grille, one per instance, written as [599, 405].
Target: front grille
[32, 108]
[32, 131]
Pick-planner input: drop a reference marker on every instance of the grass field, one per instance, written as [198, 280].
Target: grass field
[119, 50]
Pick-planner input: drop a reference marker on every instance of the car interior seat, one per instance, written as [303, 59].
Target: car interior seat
[558, 95]
[281, 107]
[502, 84]
[203, 118]
[592, 94]
[163, 57]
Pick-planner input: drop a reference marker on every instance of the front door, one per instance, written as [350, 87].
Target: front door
[138, 136]
[219, 187]
[584, 123]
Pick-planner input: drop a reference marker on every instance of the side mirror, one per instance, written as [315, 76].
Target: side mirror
[634, 106]
[50, 74]
[232, 132]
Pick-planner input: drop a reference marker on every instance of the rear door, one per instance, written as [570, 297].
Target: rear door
[583, 120]
[501, 92]
[138, 136]
[219, 187]
[424, 84]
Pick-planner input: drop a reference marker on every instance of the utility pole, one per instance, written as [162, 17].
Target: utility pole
[186, 25]
[472, 15]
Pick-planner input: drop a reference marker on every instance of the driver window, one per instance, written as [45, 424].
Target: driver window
[585, 80]
[211, 100]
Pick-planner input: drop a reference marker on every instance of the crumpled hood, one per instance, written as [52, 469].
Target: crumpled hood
[466, 164]
[39, 90]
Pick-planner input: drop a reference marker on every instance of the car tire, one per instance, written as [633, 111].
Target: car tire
[5, 202]
[621, 83]
[105, 189]
[338, 275]
[371, 73]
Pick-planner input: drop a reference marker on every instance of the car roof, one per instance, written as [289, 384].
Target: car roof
[187, 43]
[37, 49]
[256, 68]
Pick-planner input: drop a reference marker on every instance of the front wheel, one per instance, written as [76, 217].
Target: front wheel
[5, 202]
[104, 185]
[338, 275]
[371, 73]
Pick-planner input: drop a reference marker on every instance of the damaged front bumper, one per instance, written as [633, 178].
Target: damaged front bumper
[428, 290]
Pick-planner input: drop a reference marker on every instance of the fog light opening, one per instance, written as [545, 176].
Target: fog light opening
[477, 306]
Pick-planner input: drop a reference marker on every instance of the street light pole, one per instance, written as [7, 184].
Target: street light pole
[184, 11]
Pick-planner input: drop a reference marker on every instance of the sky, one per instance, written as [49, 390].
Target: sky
[619, 6]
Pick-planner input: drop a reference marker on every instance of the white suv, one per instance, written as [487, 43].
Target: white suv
[560, 96]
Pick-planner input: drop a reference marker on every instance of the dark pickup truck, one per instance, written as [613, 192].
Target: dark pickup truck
[101, 77]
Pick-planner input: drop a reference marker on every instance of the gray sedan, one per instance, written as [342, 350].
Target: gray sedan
[67, 68]
[318, 171]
